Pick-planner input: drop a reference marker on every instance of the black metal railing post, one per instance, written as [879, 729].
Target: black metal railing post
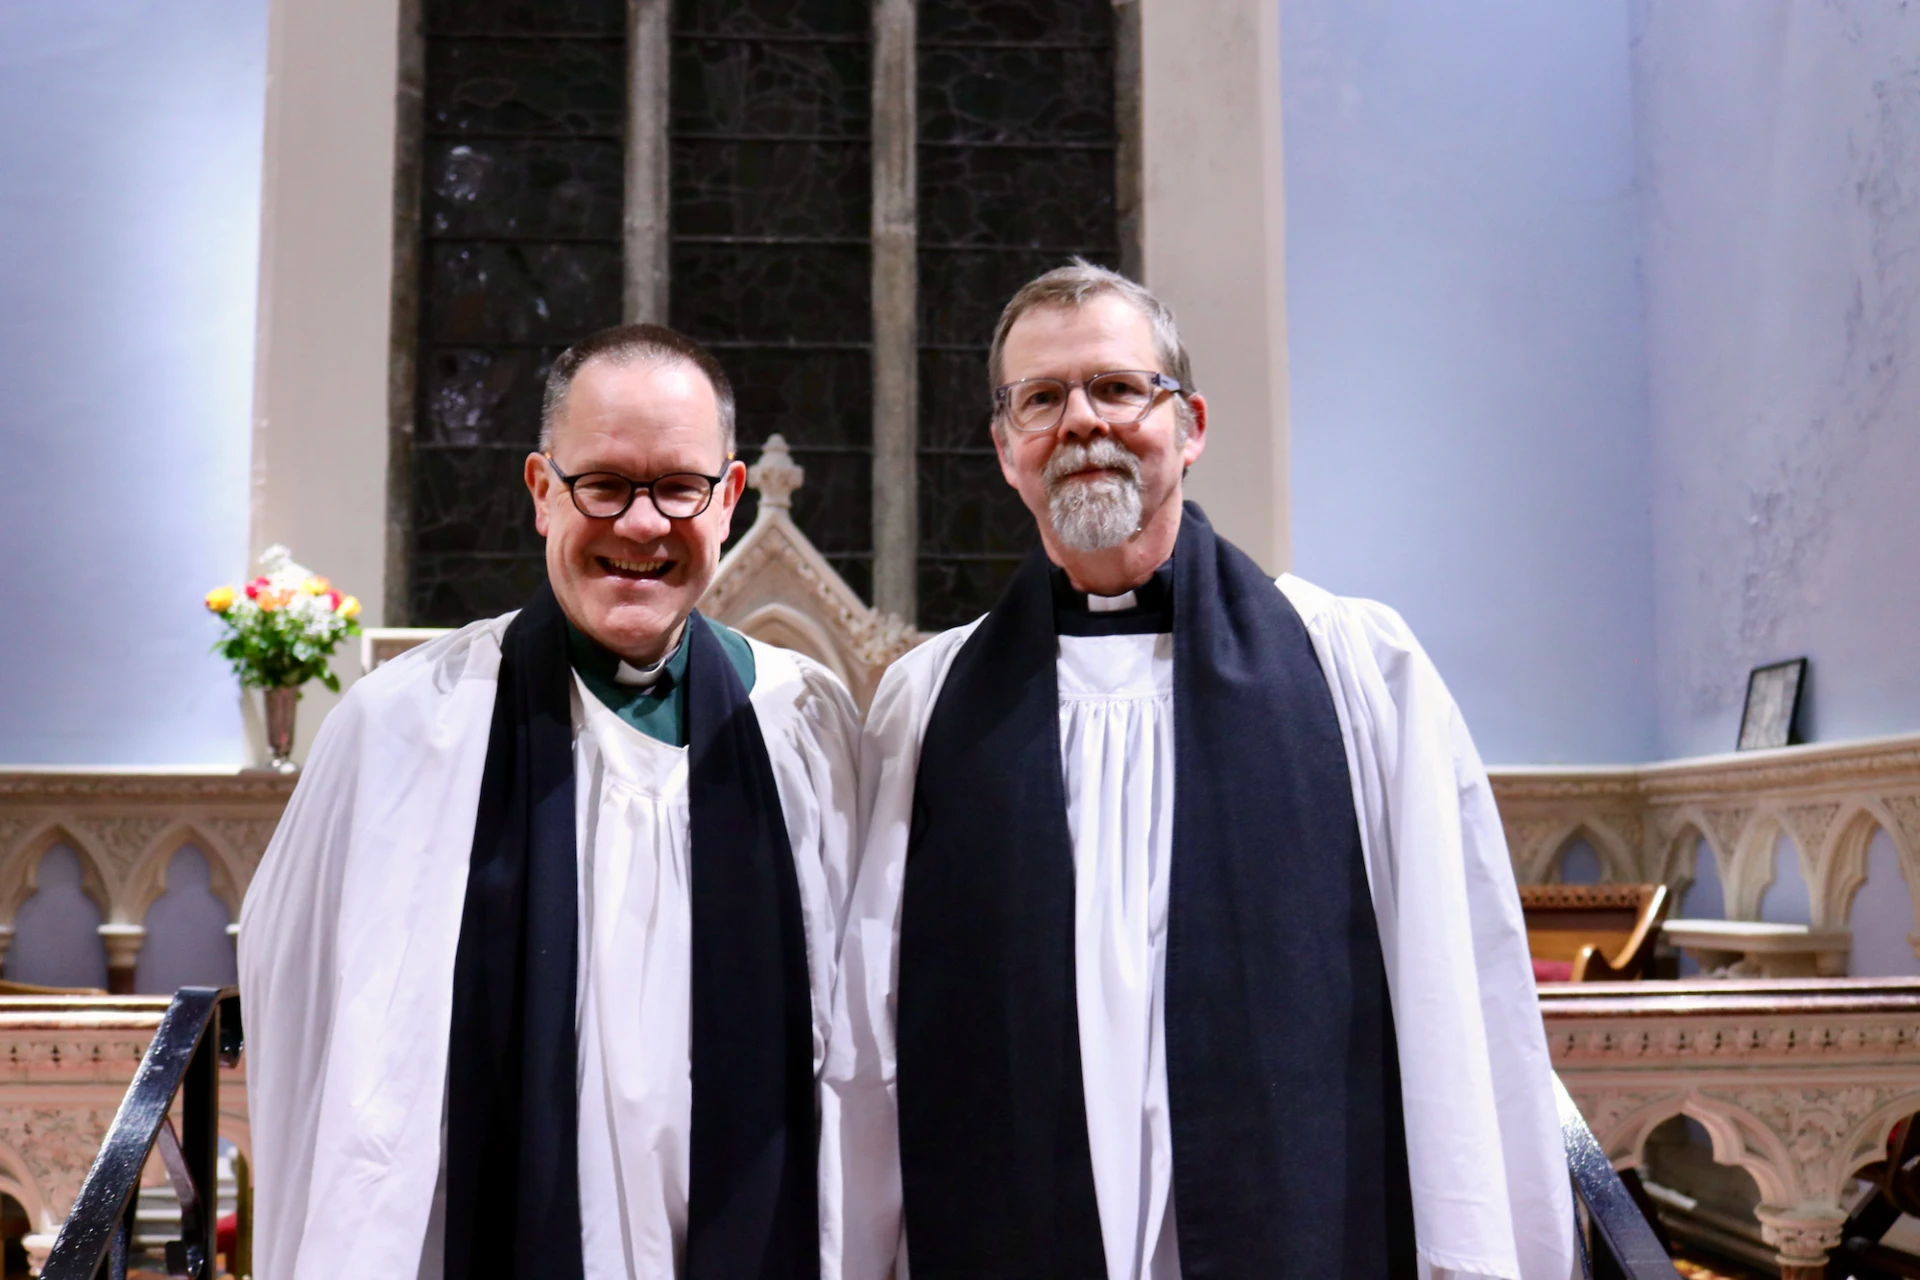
[183, 1059]
[1622, 1234]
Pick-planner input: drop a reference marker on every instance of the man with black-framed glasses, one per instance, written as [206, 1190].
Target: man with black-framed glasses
[538, 966]
[1184, 940]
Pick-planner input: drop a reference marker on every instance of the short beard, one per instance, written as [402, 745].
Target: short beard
[1093, 515]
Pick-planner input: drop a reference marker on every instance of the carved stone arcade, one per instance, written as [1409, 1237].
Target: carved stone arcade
[1644, 821]
[1798, 1082]
[124, 826]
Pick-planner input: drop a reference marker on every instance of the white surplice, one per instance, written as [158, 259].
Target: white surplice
[1490, 1187]
[347, 941]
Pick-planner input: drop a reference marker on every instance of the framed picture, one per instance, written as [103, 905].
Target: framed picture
[1773, 705]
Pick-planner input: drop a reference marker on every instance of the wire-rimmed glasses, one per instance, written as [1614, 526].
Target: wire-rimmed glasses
[1118, 398]
[606, 495]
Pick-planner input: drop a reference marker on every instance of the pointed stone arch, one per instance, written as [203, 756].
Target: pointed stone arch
[20, 875]
[1677, 847]
[1739, 1139]
[1754, 867]
[1843, 866]
[1618, 861]
[17, 1180]
[147, 880]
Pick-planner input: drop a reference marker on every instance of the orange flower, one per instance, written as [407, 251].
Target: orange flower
[271, 600]
[220, 599]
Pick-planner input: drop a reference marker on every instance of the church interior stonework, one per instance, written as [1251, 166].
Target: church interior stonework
[1583, 337]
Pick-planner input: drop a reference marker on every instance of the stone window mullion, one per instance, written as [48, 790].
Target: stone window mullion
[896, 409]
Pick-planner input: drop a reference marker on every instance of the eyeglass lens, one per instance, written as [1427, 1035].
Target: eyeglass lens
[1038, 404]
[602, 494]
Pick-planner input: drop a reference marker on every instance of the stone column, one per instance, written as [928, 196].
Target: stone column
[38, 1246]
[122, 942]
[645, 224]
[896, 354]
[1212, 235]
[1803, 1236]
[6, 943]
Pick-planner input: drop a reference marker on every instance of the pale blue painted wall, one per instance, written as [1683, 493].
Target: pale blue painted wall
[130, 152]
[1780, 161]
[1469, 423]
[1602, 360]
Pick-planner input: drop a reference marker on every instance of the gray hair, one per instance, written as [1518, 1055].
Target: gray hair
[625, 344]
[1073, 286]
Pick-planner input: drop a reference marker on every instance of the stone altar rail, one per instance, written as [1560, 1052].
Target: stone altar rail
[65, 1063]
[1798, 1081]
[1644, 821]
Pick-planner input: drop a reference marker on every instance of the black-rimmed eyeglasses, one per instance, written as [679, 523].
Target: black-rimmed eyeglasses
[1118, 399]
[606, 495]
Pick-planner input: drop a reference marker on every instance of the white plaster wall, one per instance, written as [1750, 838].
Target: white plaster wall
[1779, 150]
[130, 136]
[326, 274]
[1213, 235]
[1468, 426]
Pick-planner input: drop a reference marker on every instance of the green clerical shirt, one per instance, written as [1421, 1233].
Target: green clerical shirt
[659, 708]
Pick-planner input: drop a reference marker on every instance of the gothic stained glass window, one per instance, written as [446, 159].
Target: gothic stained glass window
[770, 262]
[523, 161]
[1017, 139]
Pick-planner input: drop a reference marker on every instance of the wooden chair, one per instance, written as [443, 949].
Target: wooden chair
[1592, 932]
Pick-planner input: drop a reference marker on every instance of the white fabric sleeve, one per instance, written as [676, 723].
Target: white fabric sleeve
[1490, 1186]
[812, 732]
[1537, 1176]
[287, 956]
[862, 1229]
[833, 725]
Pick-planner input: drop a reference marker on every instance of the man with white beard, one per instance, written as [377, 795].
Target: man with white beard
[1184, 940]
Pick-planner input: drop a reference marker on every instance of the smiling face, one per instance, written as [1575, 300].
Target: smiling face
[631, 581]
[1106, 497]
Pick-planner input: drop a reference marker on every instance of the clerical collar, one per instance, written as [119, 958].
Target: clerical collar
[645, 697]
[649, 698]
[1146, 610]
[597, 662]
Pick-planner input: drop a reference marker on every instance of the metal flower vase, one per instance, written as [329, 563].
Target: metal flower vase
[281, 705]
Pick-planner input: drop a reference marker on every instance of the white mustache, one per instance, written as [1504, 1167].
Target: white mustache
[1100, 452]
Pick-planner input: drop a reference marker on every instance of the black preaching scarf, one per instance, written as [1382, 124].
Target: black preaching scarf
[513, 1186]
[1289, 1152]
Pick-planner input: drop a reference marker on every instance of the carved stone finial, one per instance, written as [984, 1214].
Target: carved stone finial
[775, 476]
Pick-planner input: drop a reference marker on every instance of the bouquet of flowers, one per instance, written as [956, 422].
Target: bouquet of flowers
[283, 626]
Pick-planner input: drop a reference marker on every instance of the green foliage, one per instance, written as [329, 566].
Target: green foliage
[277, 648]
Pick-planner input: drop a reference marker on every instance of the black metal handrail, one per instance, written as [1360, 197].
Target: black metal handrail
[200, 1030]
[1622, 1235]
